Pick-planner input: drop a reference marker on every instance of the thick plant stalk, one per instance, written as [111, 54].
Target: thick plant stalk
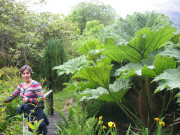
[163, 107]
[148, 96]
[123, 109]
[145, 95]
[131, 113]
[170, 100]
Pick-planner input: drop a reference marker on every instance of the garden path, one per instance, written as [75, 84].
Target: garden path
[52, 121]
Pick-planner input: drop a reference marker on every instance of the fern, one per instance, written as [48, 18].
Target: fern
[77, 122]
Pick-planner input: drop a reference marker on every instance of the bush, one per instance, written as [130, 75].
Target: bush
[55, 55]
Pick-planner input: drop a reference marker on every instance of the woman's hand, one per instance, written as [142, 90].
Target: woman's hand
[25, 99]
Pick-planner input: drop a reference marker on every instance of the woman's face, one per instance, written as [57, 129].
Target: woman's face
[26, 76]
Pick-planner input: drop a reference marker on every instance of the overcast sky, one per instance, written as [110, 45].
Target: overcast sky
[123, 7]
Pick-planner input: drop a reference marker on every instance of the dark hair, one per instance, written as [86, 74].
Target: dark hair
[24, 68]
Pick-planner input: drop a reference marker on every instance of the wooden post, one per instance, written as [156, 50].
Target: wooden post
[51, 100]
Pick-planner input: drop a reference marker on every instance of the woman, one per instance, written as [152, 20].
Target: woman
[31, 94]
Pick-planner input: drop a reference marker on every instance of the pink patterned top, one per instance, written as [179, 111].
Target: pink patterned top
[33, 92]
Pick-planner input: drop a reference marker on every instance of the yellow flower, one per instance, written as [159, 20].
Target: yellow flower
[110, 124]
[104, 127]
[162, 123]
[114, 125]
[100, 122]
[100, 118]
[156, 119]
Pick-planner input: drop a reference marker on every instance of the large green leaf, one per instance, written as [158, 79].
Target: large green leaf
[175, 39]
[160, 64]
[125, 29]
[172, 51]
[118, 90]
[104, 59]
[99, 74]
[128, 70]
[139, 47]
[163, 63]
[79, 86]
[90, 45]
[169, 79]
[72, 65]
[90, 50]
[147, 67]
[112, 54]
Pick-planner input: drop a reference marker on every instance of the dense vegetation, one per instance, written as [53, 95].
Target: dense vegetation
[95, 10]
[142, 49]
[125, 67]
[55, 54]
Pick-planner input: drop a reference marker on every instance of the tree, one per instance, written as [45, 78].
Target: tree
[90, 32]
[89, 11]
[93, 28]
[55, 54]
[24, 33]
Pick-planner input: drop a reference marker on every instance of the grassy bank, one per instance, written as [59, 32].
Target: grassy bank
[60, 99]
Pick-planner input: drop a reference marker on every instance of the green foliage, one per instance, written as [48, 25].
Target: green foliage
[76, 122]
[10, 78]
[109, 110]
[79, 86]
[91, 49]
[9, 72]
[55, 55]
[90, 33]
[125, 29]
[72, 66]
[10, 123]
[99, 74]
[147, 67]
[89, 11]
[54, 26]
[24, 33]
[118, 90]
[142, 45]
[175, 39]
[9, 83]
[61, 97]
[93, 28]
[168, 79]
[34, 126]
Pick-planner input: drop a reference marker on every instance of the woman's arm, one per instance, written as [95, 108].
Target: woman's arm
[15, 94]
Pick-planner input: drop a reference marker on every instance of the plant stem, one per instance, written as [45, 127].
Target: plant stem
[148, 96]
[170, 100]
[131, 113]
[123, 109]
[145, 95]
[163, 107]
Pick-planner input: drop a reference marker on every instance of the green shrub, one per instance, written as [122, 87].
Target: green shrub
[9, 120]
[55, 55]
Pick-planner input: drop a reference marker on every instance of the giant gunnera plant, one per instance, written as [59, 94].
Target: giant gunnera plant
[145, 48]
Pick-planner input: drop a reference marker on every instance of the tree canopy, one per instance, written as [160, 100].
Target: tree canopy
[89, 11]
[24, 33]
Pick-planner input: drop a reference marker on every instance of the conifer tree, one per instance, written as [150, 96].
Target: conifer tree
[55, 55]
